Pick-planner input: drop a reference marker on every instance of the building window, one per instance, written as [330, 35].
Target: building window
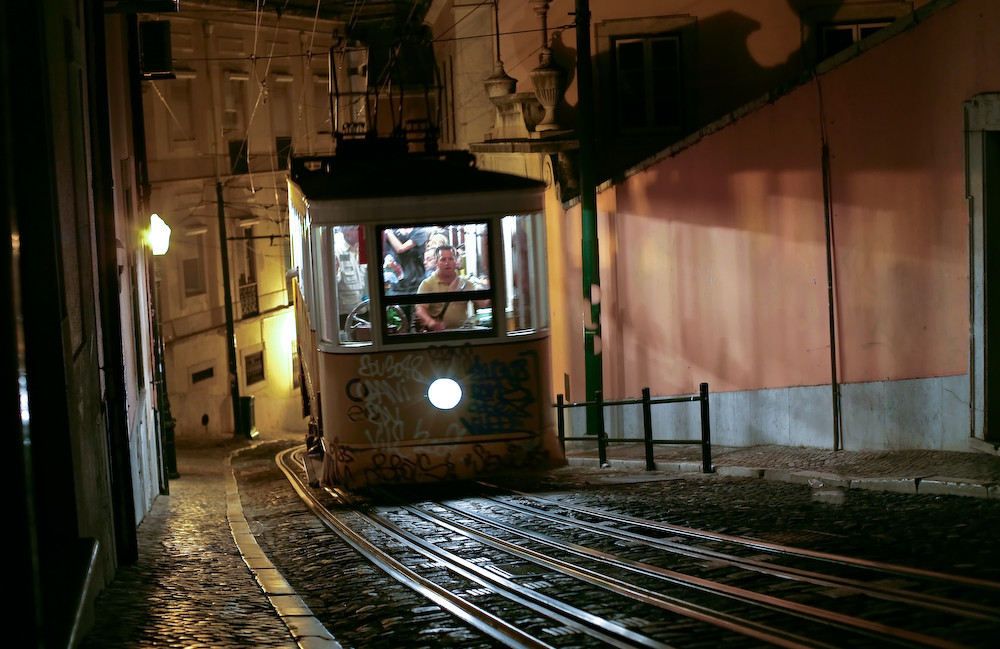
[645, 69]
[235, 98]
[838, 37]
[254, 365]
[193, 268]
[202, 375]
[648, 80]
[246, 265]
[321, 103]
[180, 103]
[283, 145]
[282, 120]
[238, 157]
[829, 28]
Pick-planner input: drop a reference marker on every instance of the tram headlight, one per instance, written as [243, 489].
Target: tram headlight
[444, 394]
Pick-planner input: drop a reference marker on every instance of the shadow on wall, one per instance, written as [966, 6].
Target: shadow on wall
[727, 76]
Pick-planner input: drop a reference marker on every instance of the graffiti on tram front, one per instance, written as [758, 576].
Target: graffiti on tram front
[501, 395]
[406, 368]
[384, 387]
[387, 395]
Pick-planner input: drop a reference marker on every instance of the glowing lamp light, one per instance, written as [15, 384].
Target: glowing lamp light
[159, 235]
[444, 394]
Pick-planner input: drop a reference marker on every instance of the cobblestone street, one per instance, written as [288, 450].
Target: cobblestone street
[362, 607]
[192, 589]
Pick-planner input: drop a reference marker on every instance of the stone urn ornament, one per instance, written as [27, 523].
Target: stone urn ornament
[547, 82]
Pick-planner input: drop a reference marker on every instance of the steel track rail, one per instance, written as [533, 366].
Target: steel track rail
[765, 546]
[970, 610]
[476, 617]
[674, 605]
[608, 632]
[864, 627]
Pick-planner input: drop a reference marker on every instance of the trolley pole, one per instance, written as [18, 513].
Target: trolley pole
[588, 213]
[234, 382]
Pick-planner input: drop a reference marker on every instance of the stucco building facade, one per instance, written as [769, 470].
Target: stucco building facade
[807, 236]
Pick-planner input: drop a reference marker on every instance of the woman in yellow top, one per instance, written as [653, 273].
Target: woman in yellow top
[446, 315]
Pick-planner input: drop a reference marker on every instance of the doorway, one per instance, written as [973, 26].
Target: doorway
[982, 116]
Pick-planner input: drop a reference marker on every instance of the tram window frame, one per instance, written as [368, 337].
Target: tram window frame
[402, 300]
[329, 237]
[526, 298]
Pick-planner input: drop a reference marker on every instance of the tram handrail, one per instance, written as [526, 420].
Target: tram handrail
[647, 439]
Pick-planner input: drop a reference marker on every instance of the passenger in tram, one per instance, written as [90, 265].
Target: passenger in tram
[447, 315]
[408, 249]
[350, 271]
[437, 238]
[430, 252]
[430, 262]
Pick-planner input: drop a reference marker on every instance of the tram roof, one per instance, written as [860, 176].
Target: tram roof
[374, 173]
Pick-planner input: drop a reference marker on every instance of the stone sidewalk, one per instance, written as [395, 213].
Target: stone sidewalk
[925, 472]
[201, 582]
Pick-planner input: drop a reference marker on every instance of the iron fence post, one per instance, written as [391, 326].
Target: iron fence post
[706, 431]
[561, 422]
[602, 437]
[647, 429]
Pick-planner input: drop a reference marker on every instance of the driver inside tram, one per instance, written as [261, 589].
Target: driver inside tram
[447, 315]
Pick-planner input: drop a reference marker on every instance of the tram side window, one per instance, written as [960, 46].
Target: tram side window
[449, 262]
[347, 298]
[526, 274]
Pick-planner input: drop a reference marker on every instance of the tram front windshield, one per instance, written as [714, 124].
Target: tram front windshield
[433, 280]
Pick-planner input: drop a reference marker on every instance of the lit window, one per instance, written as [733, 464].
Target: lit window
[447, 262]
[524, 259]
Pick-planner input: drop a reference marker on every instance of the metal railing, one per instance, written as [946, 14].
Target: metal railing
[603, 440]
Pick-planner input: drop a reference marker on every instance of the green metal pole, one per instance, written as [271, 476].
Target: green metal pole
[234, 382]
[588, 213]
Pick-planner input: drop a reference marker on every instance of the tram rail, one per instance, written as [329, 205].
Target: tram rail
[438, 535]
[974, 610]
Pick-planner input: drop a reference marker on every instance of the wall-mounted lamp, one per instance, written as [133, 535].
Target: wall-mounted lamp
[159, 235]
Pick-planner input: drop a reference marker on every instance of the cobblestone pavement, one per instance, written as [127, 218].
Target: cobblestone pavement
[362, 607]
[192, 589]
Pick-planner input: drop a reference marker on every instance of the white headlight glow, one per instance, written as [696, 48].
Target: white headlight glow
[444, 394]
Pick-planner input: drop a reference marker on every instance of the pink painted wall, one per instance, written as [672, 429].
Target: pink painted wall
[719, 271]
[714, 263]
[896, 130]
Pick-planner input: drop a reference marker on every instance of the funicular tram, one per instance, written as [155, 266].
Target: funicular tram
[422, 316]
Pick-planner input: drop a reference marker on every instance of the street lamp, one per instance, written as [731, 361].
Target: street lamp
[159, 235]
[159, 242]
